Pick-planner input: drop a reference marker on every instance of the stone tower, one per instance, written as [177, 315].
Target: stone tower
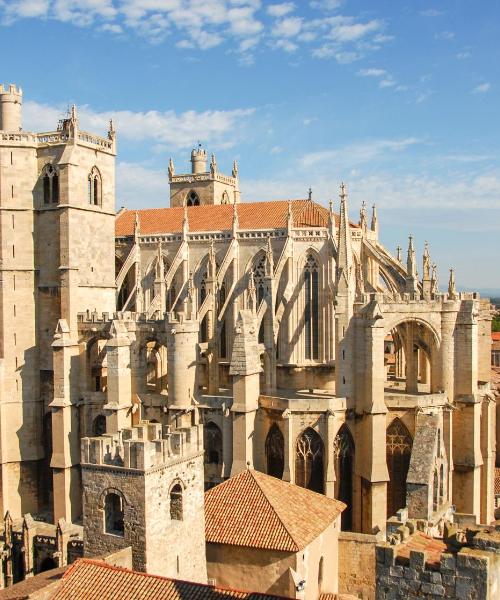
[143, 487]
[202, 185]
[56, 192]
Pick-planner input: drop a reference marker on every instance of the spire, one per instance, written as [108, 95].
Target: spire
[362, 217]
[269, 258]
[374, 225]
[213, 165]
[434, 280]
[251, 291]
[235, 169]
[289, 217]
[111, 131]
[160, 272]
[212, 263]
[331, 218]
[411, 266]
[426, 262]
[344, 257]
[411, 269]
[137, 227]
[452, 290]
[171, 168]
[236, 222]
[74, 114]
[310, 194]
[399, 253]
[185, 222]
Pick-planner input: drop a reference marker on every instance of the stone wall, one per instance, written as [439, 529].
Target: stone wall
[473, 573]
[357, 564]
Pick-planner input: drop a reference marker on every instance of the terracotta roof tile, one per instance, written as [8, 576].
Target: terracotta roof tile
[420, 542]
[251, 215]
[92, 579]
[259, 511]
[29, 586]
[495, 336]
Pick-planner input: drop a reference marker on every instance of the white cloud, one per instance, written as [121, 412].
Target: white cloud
[140, 187]
[358, 153]
[206, 24]
[168, 128]
[445, 35]
[280, 10]
[387, 83]
[431, 12]
[288, 27]
[463, 55]
[482, 88]
[372, 72]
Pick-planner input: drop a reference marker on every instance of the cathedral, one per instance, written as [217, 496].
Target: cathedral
[152, 354]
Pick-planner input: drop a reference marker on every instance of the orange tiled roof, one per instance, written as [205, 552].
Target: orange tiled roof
[251, 215]
[86, 579]
[260, 511]
[495, 336]
[419, 541]
[32, 585]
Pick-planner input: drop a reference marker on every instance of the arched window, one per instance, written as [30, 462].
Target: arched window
[192, 199]
[259, 272]
[176, 503]
[225, 198]
[212, 442]
[202, 294]
[321, 568]
[441, 483]
[344, 471]
[113, 514]
[275, 452]
[223, 332]
[94, 187]
[311, 308]
[435, 491]
[99, 426]
[309, 471]
[398, 452]
[50, 180]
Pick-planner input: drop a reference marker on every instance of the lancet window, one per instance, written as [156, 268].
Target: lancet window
[311, 308]
[50, 180]
[343, 451]
[113, 514]
[398, 451]
[192, 199]
[176, 503]
[275, 452]
[309, 470]
[94, 190]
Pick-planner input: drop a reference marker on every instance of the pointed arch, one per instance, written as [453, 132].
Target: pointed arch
[212, 443]
[343, 452]
[50, 184]
[94, 187]
[398, 453]
[309, 461]
[311, 306]
[275, 452]
[192, 199]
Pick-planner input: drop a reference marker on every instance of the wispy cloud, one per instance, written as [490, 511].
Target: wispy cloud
[241, 25]
[358, 153]
[431, 12]
[482, 88]
[171, 129]
[444, 35]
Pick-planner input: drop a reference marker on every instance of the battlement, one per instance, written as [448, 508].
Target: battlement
[142, 447]
[12, 90]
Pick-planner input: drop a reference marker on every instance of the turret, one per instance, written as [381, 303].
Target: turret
[11, 101]
[198, 160]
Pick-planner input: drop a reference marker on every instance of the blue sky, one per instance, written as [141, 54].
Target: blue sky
[400, 100]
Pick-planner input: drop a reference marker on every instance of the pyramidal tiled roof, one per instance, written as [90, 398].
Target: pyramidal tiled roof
[86, 579]
[219, 217]
[259, 511]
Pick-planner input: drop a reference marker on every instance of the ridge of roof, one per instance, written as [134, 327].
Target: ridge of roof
[81, 563]
[256, 510]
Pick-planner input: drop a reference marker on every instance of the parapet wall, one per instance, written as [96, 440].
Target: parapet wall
[142, 447]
